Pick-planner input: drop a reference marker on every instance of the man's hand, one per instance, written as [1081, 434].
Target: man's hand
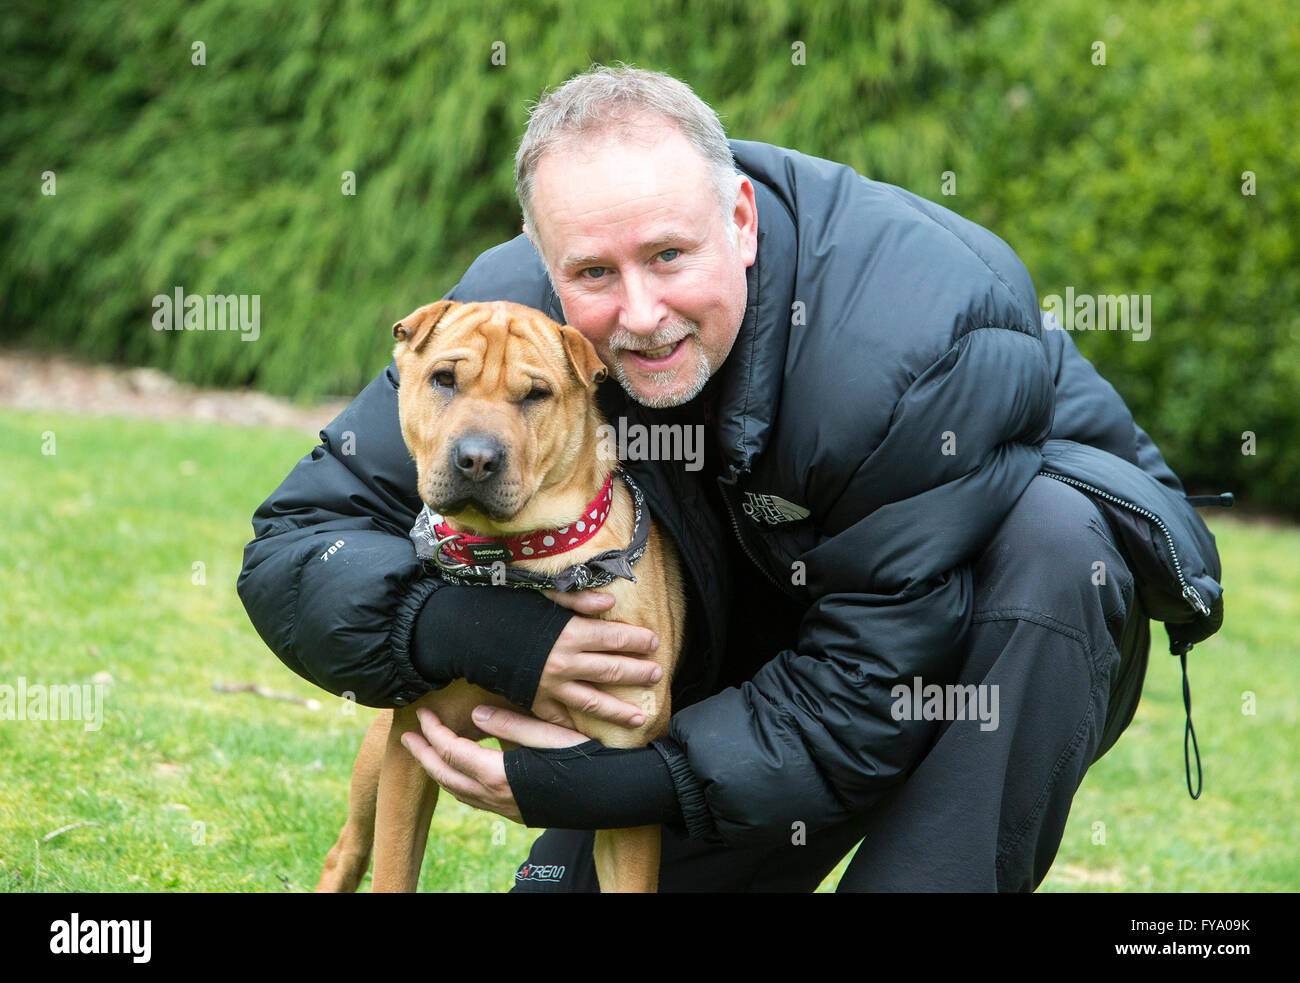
[474, 774]
[581, 657]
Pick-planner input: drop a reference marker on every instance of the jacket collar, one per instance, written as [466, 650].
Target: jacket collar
[749, 382]
[750, 385]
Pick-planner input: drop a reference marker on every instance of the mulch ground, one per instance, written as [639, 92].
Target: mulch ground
[31, 381]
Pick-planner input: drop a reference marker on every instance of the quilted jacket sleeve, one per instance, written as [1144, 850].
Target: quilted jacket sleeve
[1090, 411]
[811, 737]
[330, 580]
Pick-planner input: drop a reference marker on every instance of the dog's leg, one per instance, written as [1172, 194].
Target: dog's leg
[407, 795]
[627, 860]
[403, 809]
[348, 859]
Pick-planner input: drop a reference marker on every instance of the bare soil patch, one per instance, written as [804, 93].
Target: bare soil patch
[32, 381]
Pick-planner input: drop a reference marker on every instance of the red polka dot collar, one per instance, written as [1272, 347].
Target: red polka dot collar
[483, 550]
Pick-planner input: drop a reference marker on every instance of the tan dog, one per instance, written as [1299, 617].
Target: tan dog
[497, 407]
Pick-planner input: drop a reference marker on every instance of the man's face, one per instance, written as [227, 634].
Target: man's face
[630, 227]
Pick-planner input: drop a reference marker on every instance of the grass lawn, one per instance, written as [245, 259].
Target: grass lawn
[120, 555]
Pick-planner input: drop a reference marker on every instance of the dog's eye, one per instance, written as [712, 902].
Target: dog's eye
[536, 393]
[444, 379]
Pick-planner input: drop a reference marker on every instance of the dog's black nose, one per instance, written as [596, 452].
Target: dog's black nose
[477, 458]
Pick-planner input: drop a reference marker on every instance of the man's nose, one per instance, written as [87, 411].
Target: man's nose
[641, 307]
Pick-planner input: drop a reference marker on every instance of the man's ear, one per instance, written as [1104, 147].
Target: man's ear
[415, 328]
[582, 356]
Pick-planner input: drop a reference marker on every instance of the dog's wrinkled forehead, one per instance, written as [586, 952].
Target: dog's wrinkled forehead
[503, 341]
[512, 332]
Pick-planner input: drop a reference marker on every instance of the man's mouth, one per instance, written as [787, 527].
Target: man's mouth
[652, 358]
[659, 352]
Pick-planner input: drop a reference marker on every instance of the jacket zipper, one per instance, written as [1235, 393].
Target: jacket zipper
[735, 476]
[1190, 593]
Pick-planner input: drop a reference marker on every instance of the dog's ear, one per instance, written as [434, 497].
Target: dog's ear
[582, 356]
[415, 328]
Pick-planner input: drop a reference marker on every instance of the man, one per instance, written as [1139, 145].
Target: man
[870, 530]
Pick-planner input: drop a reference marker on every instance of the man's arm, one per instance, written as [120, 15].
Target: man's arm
[1090, 411]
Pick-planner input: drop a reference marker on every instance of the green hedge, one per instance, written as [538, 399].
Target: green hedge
[1128, 179]
[226, 178]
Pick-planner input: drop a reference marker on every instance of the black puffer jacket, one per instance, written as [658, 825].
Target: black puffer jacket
[891, 379]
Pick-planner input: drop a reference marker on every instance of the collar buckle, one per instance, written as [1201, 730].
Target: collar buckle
[448, 566]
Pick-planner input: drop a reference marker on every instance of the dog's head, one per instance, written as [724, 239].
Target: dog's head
[496, 405]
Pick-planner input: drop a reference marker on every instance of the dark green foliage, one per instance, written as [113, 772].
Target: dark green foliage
[226, 178]
[1128, 178]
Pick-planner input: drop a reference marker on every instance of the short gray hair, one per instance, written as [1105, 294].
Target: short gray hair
[607, 96]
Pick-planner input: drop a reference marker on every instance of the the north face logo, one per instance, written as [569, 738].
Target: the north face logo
[771, 509]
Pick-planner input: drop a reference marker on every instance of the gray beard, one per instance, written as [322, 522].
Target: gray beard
[661, 402]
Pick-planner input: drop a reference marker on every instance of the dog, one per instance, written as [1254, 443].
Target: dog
[497, 407]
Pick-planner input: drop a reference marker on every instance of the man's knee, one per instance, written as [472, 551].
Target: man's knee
[1055, 556]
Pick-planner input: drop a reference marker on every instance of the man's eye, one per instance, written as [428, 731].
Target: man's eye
[444, 379]
[667, 258]
[594, 272]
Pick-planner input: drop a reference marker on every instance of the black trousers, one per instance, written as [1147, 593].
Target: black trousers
[1058, 629]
